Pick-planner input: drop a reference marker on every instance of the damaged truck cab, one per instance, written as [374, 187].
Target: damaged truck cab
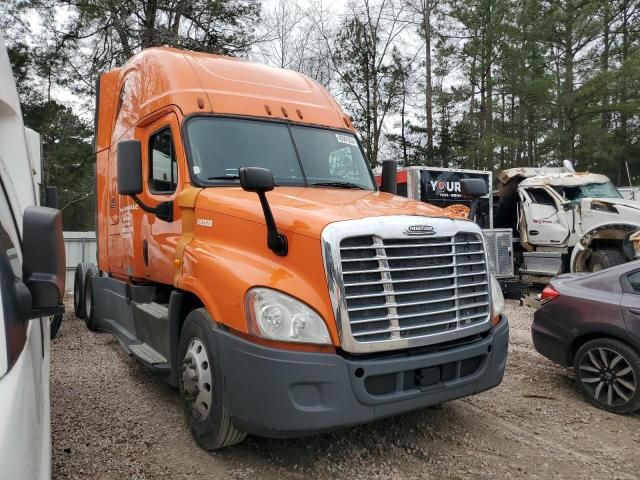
[245, 252]
[567, 221]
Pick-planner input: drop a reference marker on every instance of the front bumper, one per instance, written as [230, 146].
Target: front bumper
[280, 393]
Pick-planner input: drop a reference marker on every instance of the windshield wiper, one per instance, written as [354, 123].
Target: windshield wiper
[337, 185]
[225, 177]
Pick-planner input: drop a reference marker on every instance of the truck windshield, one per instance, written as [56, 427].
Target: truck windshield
[297, 155]
[590, 190]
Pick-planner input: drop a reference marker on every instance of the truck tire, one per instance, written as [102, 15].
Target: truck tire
[90, 315]
[605, 258]
[54, 326]
[607, 372]
[78, 290]
[202, 386]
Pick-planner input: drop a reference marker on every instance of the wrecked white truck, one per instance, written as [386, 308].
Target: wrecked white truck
[566, 221]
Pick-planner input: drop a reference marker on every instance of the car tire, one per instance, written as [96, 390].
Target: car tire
[606, 258]
[607, 372]
[78, 290]
[89, 298]
[202, 386]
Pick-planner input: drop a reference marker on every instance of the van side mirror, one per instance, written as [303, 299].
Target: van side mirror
[129, 167]
[260, 181]
[43, 259]
[473, 187]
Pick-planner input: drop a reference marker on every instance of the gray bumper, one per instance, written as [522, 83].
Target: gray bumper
[279, 393]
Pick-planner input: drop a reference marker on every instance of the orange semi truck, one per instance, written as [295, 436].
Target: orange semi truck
[246, 254]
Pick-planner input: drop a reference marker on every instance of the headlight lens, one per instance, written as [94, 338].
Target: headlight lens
[277, 316]
[497, 298]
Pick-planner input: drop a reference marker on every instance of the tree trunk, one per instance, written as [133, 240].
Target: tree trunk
[606, 116]
[426, 25]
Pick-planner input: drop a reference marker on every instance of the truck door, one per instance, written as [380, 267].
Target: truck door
[544, 223]
[164, 164]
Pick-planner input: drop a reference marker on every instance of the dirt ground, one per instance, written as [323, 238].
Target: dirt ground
[111, 419]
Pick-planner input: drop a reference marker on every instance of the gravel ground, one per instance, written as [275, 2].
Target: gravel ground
[112, 419]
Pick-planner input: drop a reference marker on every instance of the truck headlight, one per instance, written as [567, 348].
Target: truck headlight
[497, 300]
[277, 316]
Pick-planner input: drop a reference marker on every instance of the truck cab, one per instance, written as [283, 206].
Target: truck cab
[567, 221]
[246, 254]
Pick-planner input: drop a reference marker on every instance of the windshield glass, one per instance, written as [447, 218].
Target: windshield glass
[590, 190]
[299, 156]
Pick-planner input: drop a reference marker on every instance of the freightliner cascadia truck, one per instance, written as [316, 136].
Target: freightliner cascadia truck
[246, 254]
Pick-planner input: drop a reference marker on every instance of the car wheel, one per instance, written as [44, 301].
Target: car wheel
[89, 303]
[608, 373]
[601, 259]
[201, 383]
[78, 290]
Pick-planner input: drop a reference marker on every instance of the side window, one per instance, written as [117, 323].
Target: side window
[634, 282]
[163, 170]
[540, 196]
[13, 330]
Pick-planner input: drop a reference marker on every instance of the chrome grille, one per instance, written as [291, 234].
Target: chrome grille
[410, 290]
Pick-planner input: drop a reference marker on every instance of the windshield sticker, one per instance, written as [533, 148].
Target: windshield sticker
[346, 139]
[196, 170]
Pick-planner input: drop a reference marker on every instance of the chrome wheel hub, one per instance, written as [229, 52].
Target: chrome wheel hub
[196, 379]
[607, 376]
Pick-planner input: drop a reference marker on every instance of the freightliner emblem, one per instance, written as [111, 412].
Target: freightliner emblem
[420, 230]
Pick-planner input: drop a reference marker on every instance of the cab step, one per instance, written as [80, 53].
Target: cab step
[147, 353]
[154, 310]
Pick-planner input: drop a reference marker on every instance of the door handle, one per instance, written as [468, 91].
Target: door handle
[635, 311]
[533, 232]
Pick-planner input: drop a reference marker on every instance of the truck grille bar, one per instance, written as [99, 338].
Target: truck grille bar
[391, 290]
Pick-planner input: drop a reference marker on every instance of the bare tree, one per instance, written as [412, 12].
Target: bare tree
[362, 47]
[289, 39]
[423, 12]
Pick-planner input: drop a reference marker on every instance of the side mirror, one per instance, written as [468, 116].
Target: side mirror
[43, 264]
[473, 187]
[260, 181]
[51, 197]
[255, 179]
[389, 180]
[130, 179]
[129, 167]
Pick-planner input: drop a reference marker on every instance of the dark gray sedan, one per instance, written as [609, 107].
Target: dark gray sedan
[592, 322]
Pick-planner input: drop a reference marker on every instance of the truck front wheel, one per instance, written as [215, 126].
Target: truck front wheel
[605, 258]
[202, 386]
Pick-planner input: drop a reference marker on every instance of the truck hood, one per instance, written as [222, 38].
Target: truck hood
[307, 211]
[615, 201]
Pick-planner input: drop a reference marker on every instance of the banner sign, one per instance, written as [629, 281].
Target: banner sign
[442, 188]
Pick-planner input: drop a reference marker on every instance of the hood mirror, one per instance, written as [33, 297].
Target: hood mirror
[260, 181]
[473, 188]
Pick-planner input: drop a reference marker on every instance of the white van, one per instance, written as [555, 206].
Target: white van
[32, 273]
